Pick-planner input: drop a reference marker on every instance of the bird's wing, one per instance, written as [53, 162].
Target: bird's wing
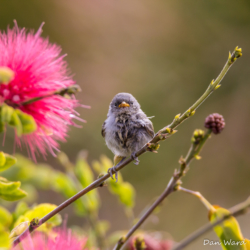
[144, 122]
[103, 129]
[150, 129]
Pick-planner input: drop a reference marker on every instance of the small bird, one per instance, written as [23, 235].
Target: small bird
[126, 129]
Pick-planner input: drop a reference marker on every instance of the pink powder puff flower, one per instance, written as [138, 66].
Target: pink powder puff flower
[60, 240]
[39, 71]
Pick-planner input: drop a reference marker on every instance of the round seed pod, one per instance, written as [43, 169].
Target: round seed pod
[215, 122]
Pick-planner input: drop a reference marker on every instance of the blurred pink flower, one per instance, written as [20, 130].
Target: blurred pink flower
[39, 70]
[61, 241]
[152, 243]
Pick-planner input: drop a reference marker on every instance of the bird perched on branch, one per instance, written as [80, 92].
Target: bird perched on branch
[126, 129]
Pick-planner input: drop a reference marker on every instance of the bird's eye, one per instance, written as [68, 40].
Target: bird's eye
[131, 103]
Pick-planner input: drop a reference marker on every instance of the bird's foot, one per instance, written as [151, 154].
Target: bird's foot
[112, 171]
[136, 160]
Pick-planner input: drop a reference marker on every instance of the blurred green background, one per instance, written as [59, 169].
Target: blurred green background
[165, 53]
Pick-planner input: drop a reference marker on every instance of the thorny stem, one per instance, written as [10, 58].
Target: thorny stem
[160, 135]
[171, 187]
[239, 209]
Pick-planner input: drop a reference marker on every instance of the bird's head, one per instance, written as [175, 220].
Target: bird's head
[124, 103]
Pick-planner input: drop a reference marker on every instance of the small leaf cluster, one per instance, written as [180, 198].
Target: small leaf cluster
[9, 191]
[70, 180]
[22, 122]
[19, 220]
[14, 224]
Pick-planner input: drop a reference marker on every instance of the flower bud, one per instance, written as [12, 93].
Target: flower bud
[215, 122]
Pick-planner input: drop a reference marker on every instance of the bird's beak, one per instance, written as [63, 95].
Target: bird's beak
[123, 105]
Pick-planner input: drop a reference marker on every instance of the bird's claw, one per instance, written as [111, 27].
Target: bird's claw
[136, 160]
[112, 171]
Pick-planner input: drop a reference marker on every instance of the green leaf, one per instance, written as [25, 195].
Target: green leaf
[23, 123]
[27, 121]
[2, 159]
[39, 212]
[124, 191]
[106, 162]
[5, 217]
[16, 123]
[6, 113]
[247, 244]
[18, 230]
[36, 175]
[21, 209]
[228, 231]
[32, 191]
[4, 240]
[83, 170]
[97, 167]
[63, 184]
[6, 161]
[64, 160]
[102, 226]
[85, 176]
[43, 209]
[2, 179]
[91, 201]
[10, 191]
[104, 165]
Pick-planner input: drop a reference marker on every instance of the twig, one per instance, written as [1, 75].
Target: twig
[171, 187]
[62, 92]
[160, 135]
[204, 201]
[237, 210]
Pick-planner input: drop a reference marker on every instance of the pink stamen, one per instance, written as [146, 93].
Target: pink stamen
[16, 98]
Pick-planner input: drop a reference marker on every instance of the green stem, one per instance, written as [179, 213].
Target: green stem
[212, 86]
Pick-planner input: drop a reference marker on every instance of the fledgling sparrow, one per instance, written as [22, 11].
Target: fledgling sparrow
[127, 128]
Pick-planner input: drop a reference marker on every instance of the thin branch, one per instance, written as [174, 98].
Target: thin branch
[171, 187]
[237, 210]
[205, 202]
[159, 136]
[71, 90]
